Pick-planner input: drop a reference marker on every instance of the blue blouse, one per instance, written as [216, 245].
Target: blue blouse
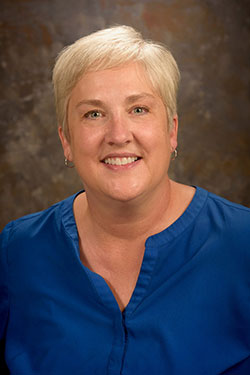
[189, 312]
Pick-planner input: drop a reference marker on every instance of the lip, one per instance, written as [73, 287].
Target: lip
[121, 167]
[121, 155]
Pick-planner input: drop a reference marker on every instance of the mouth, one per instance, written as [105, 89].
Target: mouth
[121, 160]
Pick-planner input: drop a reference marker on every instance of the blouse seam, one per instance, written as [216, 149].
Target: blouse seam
[183, 265]
[228, 203]
[159, 247]
[96, 290]
[184, 230]
[164, 245]
[73, 240]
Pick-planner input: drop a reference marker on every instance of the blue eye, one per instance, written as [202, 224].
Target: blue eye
[93, 114]
[139, 110]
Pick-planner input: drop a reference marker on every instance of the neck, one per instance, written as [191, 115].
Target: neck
[131, 220]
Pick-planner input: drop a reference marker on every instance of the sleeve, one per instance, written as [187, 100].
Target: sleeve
[4, 298]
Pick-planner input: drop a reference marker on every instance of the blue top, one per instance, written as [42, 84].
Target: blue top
[189, 313]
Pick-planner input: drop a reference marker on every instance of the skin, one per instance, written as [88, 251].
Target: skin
[116, 113]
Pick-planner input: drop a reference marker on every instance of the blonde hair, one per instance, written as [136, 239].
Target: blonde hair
[109, 48]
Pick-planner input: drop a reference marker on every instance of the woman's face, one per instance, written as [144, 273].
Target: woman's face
[119, 137]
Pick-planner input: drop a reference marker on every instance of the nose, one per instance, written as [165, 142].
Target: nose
[118, 131]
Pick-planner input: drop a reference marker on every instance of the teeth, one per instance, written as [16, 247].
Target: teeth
[120, 161]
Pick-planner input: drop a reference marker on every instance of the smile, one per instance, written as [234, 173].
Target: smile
[120, 161]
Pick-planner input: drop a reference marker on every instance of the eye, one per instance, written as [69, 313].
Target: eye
[139, 110]
[94, 114]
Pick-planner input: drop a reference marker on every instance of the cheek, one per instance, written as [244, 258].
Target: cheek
[151, 131]
[85, 142]
[159, 138]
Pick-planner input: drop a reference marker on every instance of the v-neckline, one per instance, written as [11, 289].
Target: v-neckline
[153, 245]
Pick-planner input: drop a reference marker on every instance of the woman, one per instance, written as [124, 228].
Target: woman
[137, 274]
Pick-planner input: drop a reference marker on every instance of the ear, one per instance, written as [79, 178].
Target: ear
[173, 133]
[65, 144]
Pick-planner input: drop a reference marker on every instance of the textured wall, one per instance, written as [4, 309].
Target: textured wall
[211, 42]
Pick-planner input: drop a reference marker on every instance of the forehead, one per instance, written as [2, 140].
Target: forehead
[129, 79]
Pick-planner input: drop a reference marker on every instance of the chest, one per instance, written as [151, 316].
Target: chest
[120, 272]
[178, 323]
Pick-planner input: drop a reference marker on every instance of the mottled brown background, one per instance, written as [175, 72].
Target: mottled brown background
[211, 42]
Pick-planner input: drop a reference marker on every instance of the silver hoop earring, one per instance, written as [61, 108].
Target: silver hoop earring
[68, 164]
[174, 154]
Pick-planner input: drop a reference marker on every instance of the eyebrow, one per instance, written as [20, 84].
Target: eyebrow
[130, 99]
[90, 102]
[134, 98]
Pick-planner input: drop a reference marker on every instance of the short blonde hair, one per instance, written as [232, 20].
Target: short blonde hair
[109, 48]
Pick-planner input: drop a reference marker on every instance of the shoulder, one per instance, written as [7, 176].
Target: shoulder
[231, 214]
[227, 203]
[226, 223]
[36, 225]
[29, 223]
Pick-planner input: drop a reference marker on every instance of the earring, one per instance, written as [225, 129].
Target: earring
[68, 163]
[174, 154]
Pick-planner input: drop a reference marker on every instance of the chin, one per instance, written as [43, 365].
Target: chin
[125, 194]
[123, 197]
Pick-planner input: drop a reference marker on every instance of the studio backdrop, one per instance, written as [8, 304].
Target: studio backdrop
[210, 40]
